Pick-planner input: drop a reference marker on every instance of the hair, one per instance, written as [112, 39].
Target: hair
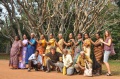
[109, 34]
[87, 34]
[98, 33]
[53, 48]
[72, 34]
[36, 51]
[17, 37]
[80, 34]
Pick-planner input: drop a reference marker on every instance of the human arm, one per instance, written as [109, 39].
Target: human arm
[32, 43]
[109, 42]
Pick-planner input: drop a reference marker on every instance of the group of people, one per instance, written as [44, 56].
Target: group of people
[67, 57]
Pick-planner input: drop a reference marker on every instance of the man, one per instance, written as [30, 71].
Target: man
[68, 62]
[80, 64]
[35, 61]
[52, 58]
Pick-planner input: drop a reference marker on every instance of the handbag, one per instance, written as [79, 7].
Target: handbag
[88, 70]
[112, 50]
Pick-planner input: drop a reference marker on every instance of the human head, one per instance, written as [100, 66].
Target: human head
[65, 52]
[24, 36]
[97, 35]
[70, 36]
[42, 37]
[86, 35]
[16, 38]
[36, 53]
[79, 36]
[82, 54]
[51, 35]
[53, 50]
[32, 35]
[60, 36]
[107, 34]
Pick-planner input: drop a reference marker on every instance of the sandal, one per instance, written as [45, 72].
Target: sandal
[108, 74]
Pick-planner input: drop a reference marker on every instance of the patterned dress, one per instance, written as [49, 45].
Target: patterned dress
[14, 54]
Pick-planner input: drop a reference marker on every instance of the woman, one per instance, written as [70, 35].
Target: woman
[87, 45]
[70, 44]
[60, 43]
[14, 53]
[23, 53]
[78, 45]
[98, 54]
[41, 45]
[50, 43]
[30, 48]
[107, 50]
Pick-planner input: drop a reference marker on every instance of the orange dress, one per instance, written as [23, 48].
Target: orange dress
[41, 46]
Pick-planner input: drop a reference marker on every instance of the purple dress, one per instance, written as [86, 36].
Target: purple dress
[24, 49]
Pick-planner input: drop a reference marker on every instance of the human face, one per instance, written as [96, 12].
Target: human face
[106, 33]
[83, 55]
[86, 36]
[97, 36]
[36, 53]
[65, 52]
[16, 38]
[51, 36]
[70, 36]
[79, 36]
[24, 37]
[32, 35]
[60, 36]
[53, 51]
[42, 37]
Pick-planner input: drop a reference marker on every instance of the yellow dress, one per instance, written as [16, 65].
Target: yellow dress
[87, 48]
[60, 43]
[52, 43]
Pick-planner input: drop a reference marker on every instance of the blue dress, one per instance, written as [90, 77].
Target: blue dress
[30, 49]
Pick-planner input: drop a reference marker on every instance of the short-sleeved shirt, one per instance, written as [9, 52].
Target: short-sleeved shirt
[67, 60]
[54, 57]
[33, 58]
[82, 61]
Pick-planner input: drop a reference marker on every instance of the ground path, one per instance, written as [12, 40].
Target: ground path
[7, 73]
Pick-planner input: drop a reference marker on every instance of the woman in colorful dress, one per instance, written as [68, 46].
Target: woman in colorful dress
[98, 54]
[70, 44]
[87, 45]
[60, 43]
[30, 48]
[22, 64]
[107, 50]
[41, 45]
[50, 43]
[14, 53]
[78, 48]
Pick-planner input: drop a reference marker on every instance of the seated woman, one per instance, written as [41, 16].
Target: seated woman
[80, 64]
[35, 61]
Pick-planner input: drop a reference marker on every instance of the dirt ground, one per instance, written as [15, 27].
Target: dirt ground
[7, 73]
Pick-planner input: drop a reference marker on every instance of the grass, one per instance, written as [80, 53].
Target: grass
[115, 67]
[114, 64]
